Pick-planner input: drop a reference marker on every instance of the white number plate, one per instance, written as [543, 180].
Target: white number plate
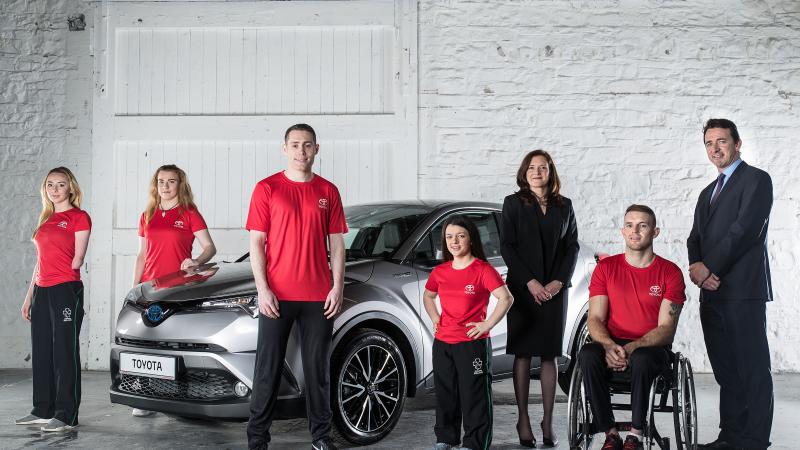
[147, 365]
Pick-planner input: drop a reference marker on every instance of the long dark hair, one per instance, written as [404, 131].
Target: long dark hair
[553, 193]
[475, 244]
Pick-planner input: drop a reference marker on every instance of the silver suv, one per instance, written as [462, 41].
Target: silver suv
[185, 343]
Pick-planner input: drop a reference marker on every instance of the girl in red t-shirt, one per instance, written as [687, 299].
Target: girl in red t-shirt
[167, 229]
[54, 303]
[462, 350]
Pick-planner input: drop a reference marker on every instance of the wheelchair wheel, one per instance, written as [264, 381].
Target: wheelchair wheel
[650, 426]
[579, 414]
[685, 405]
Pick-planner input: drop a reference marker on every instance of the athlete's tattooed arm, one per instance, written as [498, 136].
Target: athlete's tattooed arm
[664, 332]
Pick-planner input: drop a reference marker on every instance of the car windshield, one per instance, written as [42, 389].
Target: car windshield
[376, 231]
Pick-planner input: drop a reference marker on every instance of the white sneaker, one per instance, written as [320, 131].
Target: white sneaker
[56, 425]
[136, 412]
[30, 419]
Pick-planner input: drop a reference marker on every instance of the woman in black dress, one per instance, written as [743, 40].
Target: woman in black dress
[540, 246]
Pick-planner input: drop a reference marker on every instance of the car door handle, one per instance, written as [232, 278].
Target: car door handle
[402, 275]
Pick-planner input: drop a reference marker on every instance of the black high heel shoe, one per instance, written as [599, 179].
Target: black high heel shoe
[546, 441]
[529, 443]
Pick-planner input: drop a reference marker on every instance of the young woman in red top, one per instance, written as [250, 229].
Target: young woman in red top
[54, 303]
[462, 350]
[167, 229]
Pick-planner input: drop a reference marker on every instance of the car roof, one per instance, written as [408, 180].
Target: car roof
[434, 203]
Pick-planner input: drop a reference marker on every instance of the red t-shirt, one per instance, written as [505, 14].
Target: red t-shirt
[635, 294]
[464, 297]
[169, 240]
[55, 247]
[297, 218]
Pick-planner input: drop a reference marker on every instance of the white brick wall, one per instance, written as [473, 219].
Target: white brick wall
[618, 91]
[45, 121]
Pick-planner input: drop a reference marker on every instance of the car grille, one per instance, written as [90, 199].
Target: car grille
[193, 385]
[189, 346]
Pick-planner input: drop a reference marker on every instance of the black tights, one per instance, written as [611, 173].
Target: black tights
[522, 382]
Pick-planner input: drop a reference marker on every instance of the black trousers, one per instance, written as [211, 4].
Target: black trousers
[644, 365]
[735, 332]
[315, 333]
[462, 375]
[56, 318]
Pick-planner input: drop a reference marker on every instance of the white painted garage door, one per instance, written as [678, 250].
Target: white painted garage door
[211, 87]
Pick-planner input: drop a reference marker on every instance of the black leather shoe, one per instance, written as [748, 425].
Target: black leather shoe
[325, 443]
[719, 444]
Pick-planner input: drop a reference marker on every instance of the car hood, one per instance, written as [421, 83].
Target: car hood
[219, 280]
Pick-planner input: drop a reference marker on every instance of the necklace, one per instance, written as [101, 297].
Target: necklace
[164, 211]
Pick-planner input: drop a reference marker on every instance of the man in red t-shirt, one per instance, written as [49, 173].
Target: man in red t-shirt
[295, 218]
[635, 299]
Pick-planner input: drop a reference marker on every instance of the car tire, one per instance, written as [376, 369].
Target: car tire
[368, 386]
[581, 337]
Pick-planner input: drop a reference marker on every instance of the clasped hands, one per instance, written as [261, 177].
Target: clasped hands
[702, 277]
[617, 356]
[541, 293]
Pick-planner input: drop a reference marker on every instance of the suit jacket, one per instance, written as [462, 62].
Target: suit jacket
[521, 245]
[730, 236]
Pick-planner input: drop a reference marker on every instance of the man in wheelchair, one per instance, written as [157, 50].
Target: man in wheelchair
[635, 299]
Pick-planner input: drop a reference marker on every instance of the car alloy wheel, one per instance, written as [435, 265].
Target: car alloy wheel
[369, 387]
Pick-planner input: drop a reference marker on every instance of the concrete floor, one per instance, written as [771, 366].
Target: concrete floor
[107, 426]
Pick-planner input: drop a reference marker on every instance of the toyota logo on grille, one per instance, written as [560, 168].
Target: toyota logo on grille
[154, 313]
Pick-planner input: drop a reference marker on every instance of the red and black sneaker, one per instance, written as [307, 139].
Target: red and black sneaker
[633, 442]
[613, 442]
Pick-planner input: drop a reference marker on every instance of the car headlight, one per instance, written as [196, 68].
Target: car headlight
[248, 303]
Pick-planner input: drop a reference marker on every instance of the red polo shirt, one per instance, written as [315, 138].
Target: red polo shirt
[297, 218]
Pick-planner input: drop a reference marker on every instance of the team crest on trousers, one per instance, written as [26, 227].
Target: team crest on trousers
[67, 315]
[478, 365]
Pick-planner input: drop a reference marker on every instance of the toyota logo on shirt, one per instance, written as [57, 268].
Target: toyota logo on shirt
[323, 203]
[469, 289]
[655, 291]
[178, 224]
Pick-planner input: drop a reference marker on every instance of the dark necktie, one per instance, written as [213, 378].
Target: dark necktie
[718, 189]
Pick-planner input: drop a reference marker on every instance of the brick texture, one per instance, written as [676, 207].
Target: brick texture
[45, 121]
[618, 91]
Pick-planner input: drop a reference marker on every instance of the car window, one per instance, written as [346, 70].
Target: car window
[429, 249]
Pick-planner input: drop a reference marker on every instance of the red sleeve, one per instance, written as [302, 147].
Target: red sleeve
[598, 284]
[433, 283]
[258, 215]
[336, 220]
[141, 225]
[491, 278]
[196, 221]
[83, 222]
[676, 287]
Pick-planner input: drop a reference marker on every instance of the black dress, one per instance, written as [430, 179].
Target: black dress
[543, 247]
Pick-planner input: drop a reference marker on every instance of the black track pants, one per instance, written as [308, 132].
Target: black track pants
[315, 333]
[56, 317]
[462, 376]
[644, 365]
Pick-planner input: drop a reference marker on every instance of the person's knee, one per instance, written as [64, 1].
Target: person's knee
[645, 359]
[591, 354]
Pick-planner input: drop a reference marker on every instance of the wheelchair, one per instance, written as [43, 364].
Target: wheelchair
[677, 382]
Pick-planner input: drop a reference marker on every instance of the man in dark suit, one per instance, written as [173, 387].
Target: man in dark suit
[728, 261]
